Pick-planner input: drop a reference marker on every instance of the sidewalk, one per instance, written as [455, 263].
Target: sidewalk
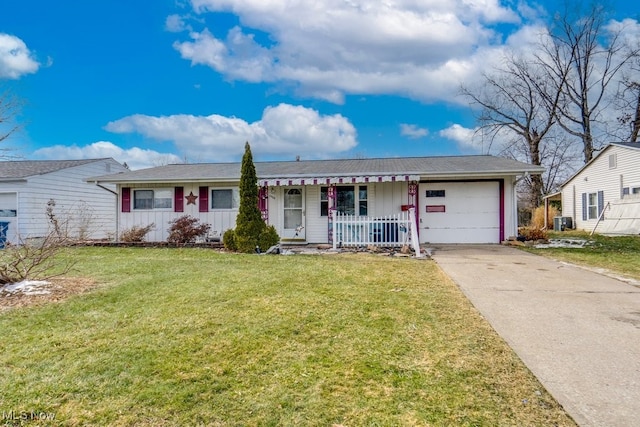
[578, 331]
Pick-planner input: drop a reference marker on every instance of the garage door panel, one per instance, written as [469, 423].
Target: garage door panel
[461, 235]
[471, 213]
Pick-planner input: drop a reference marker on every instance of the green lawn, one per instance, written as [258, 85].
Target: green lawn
[619, 254]
[181, 337]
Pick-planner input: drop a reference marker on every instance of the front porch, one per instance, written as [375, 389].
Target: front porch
[363, 231]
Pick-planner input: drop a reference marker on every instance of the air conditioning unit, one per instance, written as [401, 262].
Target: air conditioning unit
[561, 223]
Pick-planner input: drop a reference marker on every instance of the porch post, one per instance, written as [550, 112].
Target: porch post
[413, 193]
[263, 202]
[414, 232]
[331, 202]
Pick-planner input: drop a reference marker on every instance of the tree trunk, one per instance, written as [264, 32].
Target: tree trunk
[636, 122]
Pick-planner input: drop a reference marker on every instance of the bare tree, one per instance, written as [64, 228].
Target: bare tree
[10, 106]
[549, 106]
[37, 258]
[518, 108]
[628, 104]
[594, 54]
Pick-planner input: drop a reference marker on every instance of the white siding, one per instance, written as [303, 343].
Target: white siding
[9, 208]
[383, 199]
[89, 210]
[599, 176]
[220, 220]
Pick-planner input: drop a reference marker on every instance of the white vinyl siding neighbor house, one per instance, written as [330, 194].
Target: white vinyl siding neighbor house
[27, 186]
[597, 195]
[475, 198]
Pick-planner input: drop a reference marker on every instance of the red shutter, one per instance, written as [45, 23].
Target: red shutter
[126, 199]
[178, 199]
[204, 199]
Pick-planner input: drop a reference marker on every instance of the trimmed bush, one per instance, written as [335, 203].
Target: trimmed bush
[229, 240]
[269, 237]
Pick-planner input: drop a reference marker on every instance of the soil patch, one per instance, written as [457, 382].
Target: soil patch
[53, 290]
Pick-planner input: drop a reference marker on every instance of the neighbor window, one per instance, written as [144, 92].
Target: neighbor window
[152, 199]
[592, 206]
[346, 200]
[8, 205]
[633, 190]
[613, 161]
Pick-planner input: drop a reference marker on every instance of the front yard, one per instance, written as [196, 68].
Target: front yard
[618, 254]
[196, 337]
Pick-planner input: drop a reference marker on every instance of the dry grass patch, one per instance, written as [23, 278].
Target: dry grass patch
[58, 289]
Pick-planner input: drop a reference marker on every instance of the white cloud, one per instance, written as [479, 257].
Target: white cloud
[329, 48]
[136, 158]
[283, 130]
[15, 58]
[413, 131]
[465, 138]
[176, 24]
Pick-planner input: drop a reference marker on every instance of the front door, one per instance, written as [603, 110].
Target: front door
[294, 218]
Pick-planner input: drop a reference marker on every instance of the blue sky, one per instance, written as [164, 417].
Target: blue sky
[151, 82]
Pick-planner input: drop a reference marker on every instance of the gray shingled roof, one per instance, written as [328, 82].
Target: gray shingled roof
[423, 166]
[13, 170]
[635, 145]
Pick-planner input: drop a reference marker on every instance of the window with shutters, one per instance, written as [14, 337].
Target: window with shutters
[592, 206]
[153, 199]
[224, 198]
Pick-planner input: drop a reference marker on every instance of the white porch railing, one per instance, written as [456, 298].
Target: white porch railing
[389, 231]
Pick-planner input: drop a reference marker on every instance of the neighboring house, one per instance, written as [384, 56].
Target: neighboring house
[604, 195]
[460, 199]
[86, 210]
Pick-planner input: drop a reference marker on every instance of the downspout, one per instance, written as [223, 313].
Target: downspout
[115, 193]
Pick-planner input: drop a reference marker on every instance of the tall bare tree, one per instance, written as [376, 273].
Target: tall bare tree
[594, 53]
[628, 104]
[518, 107]
[9, 108]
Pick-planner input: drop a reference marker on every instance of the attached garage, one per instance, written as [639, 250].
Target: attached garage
[461, 212]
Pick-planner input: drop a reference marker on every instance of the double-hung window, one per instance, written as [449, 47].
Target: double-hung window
[592, 205]
[153, 199]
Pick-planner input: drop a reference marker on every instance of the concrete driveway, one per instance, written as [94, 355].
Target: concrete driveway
[577, 330]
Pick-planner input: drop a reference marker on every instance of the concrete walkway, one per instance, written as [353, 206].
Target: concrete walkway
[577, 330]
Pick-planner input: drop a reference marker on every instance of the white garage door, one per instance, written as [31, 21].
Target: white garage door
[460, 212]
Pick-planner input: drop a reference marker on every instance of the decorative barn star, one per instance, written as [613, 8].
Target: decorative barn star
[191, 198]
